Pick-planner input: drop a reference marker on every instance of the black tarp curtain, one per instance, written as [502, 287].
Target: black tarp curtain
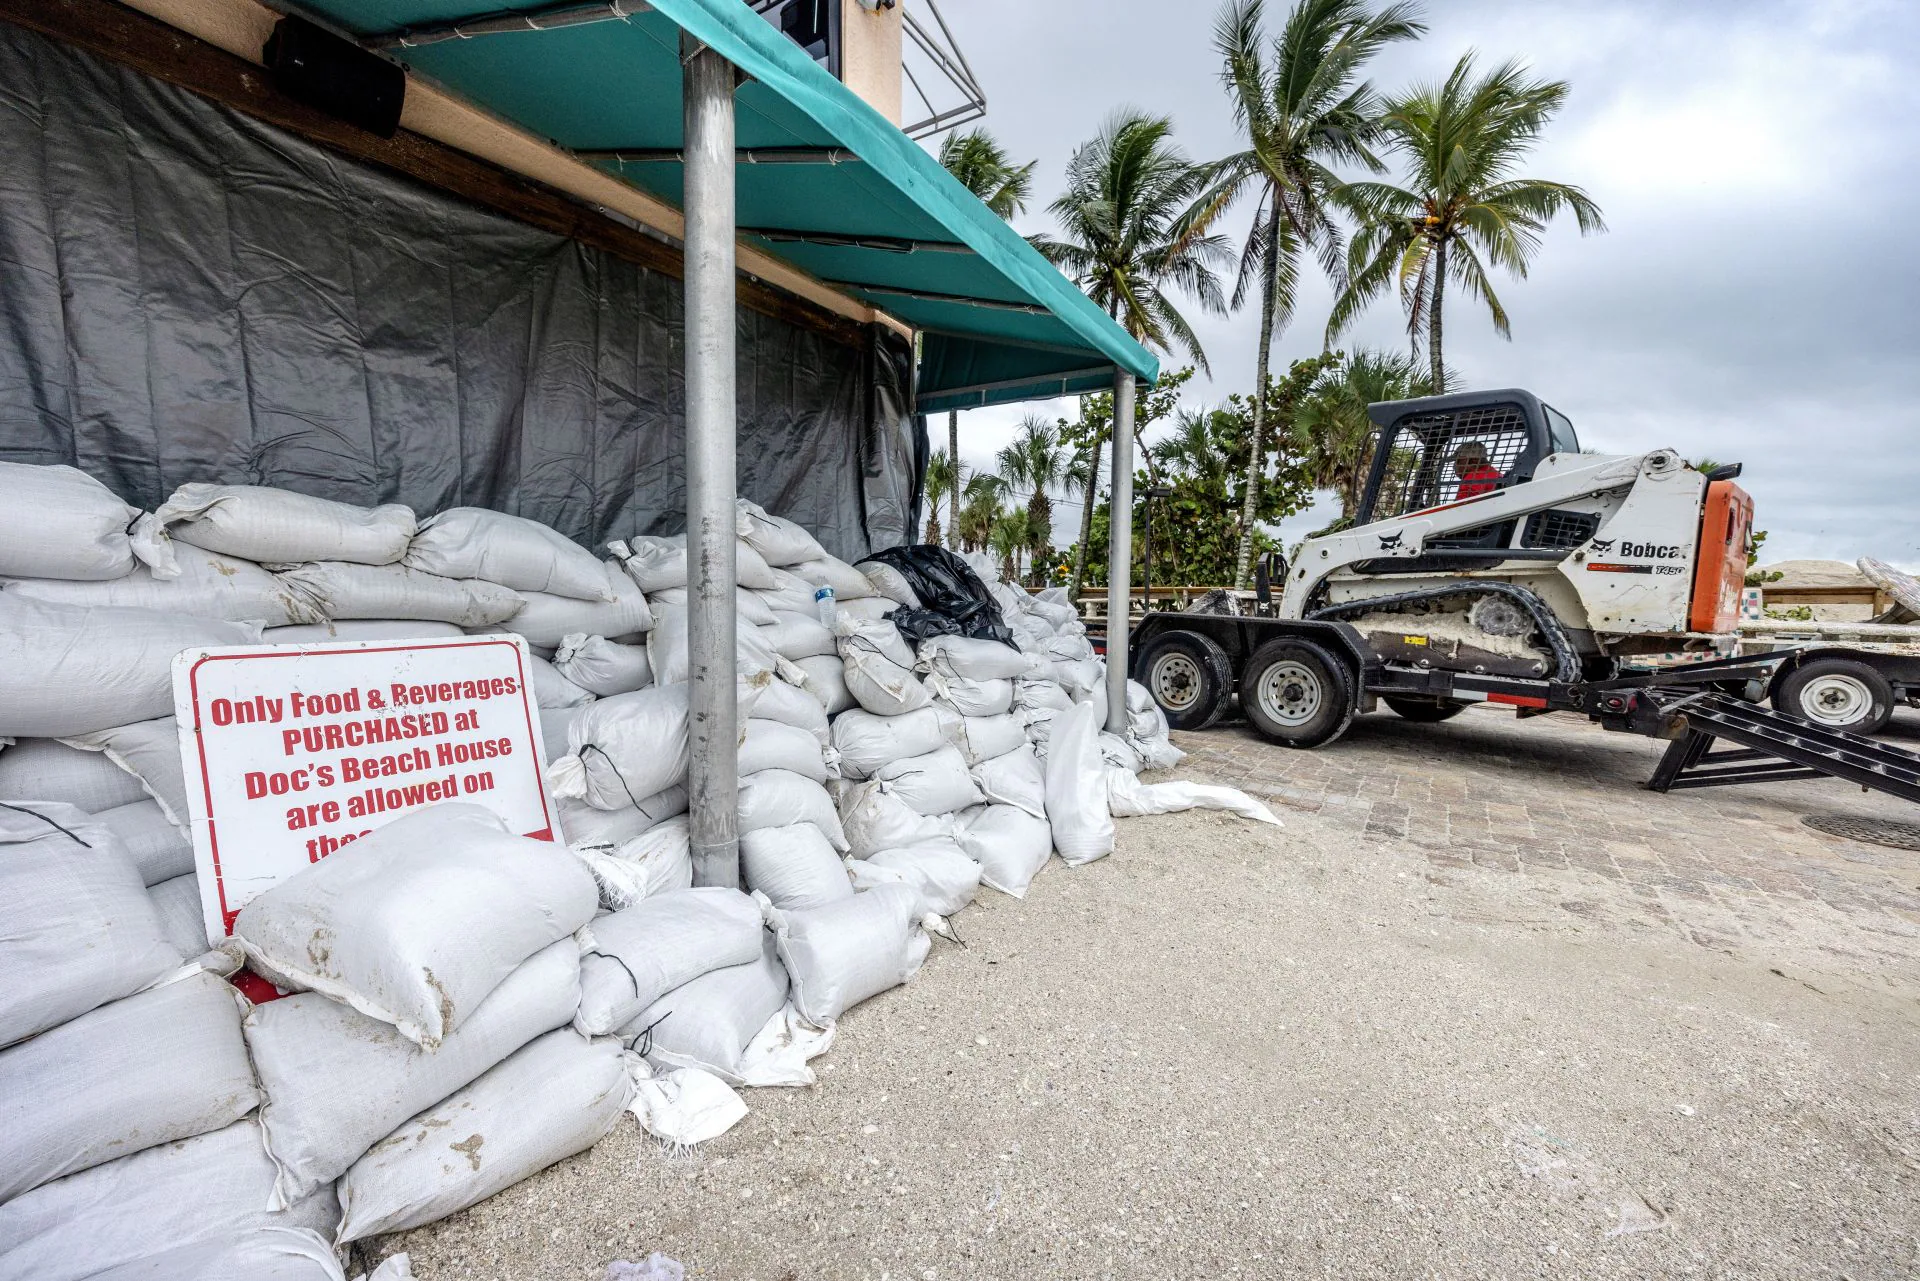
[187, 293]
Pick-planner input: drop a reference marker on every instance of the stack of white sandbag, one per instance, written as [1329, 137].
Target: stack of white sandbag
[126, 1093]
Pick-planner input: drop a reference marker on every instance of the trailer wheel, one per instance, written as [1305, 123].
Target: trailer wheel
[1188, 675]
[1424, 711]
[1837, 693]
[1297, 693]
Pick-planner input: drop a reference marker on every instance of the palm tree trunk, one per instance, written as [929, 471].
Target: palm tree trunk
[953, 497]
[1433, 317]
[1269, 271]
[1091, 494]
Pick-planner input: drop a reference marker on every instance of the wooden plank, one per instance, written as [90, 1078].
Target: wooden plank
[119, 34]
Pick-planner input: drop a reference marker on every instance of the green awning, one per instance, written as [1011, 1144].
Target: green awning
[826, 183]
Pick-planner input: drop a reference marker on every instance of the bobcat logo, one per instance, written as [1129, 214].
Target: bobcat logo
[1390, 542]
[1601, 546]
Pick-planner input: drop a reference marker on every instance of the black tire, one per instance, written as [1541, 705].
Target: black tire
[1837, 693]
[1189, 677]
[1297, 694]
[1424, 711]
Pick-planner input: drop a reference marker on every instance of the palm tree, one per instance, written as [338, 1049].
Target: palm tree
[1035, 463]
[943, 483]
[1462, 141]
[1331, 424]
[982, 166]
[1007, 539]
[1126, 241]
[1300, 108]
[982, 493]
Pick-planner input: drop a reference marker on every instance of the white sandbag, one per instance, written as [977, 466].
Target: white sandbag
[415, 923]
[1080, 676]
[1041, 693]
[865, 741]
[45, 769]
[278, 526]
[976, 660]
[77, 929]
[550, 1099]
[1095, 697]
[548, 619]
[1068, 649]
[774, 745]
[709, 1022]
[781, 798]
[847, 582]
[935, 783]
[1057, 612]
[160, 850]
[1116, 751]
[971, 697]
[1157, 753]
[337, 1082]
[684, 1107]
[944, 877]
[1077, 788]
[839, 955]
[1016, 778]
[151, 1068]
[1010, 845]
[631, 958]
[981, 738]
[150, 751]
[748, 607]
[603, 667]
[517, 553]
[176, 906]
[878, 667]
[631, 746]
[552, 688]
[208, 586]
[868, 609]
[1127, 796]
[656, 861]
[825, 679]
[360, 629]
[794, 866]
[658, 564]
[72, 669]
[890, 583]
[583, 824]
[213, 1189]
[778, 540]
[58, 522]
[874, 818]
[793, 705]
[788, 600]
[342, 589]
[256, 1254]
[555, 724]
[798, 636]
[667, 646]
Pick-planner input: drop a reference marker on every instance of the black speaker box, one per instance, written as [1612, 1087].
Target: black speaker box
[312, 65]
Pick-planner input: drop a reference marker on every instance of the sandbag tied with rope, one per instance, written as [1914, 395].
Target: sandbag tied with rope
[632, 746]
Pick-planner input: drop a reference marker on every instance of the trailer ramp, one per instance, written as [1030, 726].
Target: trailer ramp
[1767, 746]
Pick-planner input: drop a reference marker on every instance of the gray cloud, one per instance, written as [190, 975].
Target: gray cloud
[1755, 298]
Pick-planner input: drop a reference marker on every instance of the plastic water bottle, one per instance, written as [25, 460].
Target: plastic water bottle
[823, 604]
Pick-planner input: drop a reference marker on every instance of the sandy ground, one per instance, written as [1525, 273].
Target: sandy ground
[1234, 1051]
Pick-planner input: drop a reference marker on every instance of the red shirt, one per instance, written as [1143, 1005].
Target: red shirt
[1483, 479]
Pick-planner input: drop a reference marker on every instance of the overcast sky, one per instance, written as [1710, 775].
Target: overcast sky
[1758, 163]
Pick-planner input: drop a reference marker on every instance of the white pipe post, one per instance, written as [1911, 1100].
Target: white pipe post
[708, 82]
[1120, 553]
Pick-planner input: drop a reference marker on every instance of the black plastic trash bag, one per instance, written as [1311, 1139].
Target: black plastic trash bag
[947, 586]
[922, 624]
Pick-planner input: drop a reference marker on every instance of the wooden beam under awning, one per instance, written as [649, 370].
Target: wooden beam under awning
[443, 141]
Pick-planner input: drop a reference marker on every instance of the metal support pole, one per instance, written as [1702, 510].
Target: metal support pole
[713, 740]
[1119, 552]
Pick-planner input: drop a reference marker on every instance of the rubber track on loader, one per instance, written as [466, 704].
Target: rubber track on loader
[1774, 747]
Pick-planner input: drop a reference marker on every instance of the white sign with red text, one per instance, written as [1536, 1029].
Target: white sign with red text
[293, 751]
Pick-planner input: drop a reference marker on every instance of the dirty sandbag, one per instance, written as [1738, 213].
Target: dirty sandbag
[210, 1190]
[658, 564]
[552, 689]
[793, 866]
[946, 585]
[797, 636]
[73, 669]
[343, 589]
[890, 582]
[748, 606]
[46, 769]
[583, 824]
[362, 629]
[58, 522]
[945, 878]
[826, 679]
[971, 697]
[161, 1065]
[794, 705]
[1077, 788]
[176, 905]
[655, 861]
[875, 818]
[878, 668]
[667, 643]
[779, 541]
[77, 928]
[848, 583]
[963, 656]
[1127, 796]
[936, 783]
[521, 554]
[150, 751]
[208, 585]
[602, 667]
[548, 619]
[423, 918]
[1038, 692]
[632, 746]
[680, 1108]
[631, 958]
[276, 526]
[555, 724]
[781, 798]
[337, 1082]
[555, 1096]
[919, 625]
[1014, 778]
[840, 955]
[868, 609]
[774, 745]
[865, 742]
[256, 1254]
[158, 848]
[1010, 845]
[710, 1022]
[981, 738]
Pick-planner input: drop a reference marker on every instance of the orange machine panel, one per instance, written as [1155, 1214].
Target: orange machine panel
[1721, 568]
